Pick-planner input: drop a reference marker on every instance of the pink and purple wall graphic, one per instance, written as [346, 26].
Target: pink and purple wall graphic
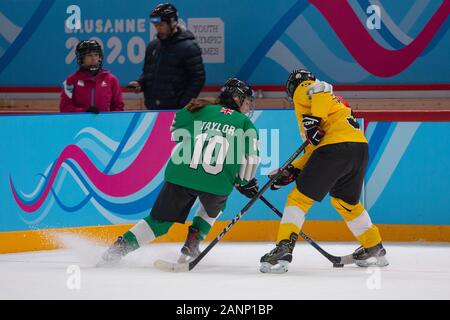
[75, 170]
[93, 171]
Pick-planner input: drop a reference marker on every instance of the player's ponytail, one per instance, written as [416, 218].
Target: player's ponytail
[196, 104]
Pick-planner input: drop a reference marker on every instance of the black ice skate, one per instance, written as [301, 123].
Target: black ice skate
[277, 260]
[115, 253]
[190, 248]
[370, 257]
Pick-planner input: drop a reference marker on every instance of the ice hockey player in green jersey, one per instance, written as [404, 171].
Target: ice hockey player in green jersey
[217, 150]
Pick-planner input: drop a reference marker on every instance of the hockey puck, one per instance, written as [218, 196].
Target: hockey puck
[338, 265]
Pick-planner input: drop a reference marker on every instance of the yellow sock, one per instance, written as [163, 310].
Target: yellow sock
[297, 206]
[358, 221]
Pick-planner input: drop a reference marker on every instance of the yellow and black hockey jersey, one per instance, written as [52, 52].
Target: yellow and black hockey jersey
[316, 98]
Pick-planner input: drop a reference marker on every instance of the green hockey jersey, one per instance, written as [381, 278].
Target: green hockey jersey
[217, 147]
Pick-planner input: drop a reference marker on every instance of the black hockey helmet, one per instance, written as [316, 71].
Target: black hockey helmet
[85, 47]
[295, 78]
[235, 88]
[164, 12]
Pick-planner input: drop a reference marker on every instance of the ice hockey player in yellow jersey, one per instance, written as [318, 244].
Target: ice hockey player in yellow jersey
[334, 162]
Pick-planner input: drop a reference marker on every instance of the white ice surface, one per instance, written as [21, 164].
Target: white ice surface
[228, 271]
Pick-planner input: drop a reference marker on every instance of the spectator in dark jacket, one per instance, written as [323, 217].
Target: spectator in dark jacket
[173, 70]
[91, 88]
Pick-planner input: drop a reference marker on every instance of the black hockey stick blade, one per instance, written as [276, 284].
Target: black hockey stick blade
[337, 261]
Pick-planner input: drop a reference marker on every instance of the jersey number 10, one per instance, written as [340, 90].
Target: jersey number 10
[207, 159]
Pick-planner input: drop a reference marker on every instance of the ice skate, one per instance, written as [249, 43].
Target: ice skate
[115, 253]
[277, 260]
[190, 248]
[370, 257]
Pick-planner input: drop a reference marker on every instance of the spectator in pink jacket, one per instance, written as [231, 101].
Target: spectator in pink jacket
[91, 88]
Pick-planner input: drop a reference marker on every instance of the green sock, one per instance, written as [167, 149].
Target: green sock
[158, 227]
[131, 240]
[201, 225]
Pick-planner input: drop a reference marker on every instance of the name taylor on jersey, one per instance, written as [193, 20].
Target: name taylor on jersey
[217, 126]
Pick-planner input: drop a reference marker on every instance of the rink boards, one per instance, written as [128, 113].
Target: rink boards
[99, 174]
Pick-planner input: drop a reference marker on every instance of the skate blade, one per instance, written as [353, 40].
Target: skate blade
[106, 264]
[281, 267]
[372, 262]
[171, 267]
[101, 264]
[348, 259]
[185, 259]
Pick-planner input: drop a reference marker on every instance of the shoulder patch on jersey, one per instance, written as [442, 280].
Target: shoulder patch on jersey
[226, 110]
[320, 86]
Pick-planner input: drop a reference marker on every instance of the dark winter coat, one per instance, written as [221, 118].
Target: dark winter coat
[173, 71]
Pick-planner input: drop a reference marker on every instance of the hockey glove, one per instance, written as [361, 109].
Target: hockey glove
[287, 176]
[250, 189]
[92, 109]
[314, 132]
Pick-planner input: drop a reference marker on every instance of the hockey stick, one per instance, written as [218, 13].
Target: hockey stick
[187, 266]
[337, 261]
